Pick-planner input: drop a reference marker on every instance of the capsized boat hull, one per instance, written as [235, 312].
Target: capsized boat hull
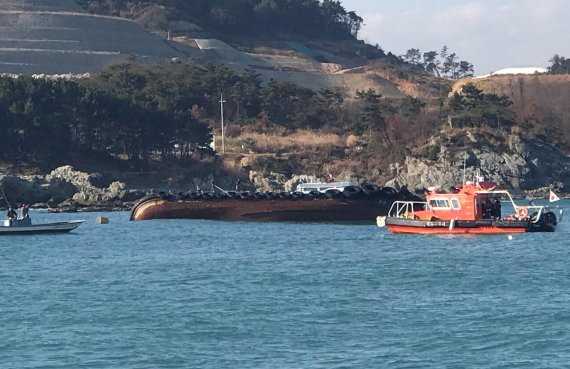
[325, 210]
[60, 227]
[354, 204]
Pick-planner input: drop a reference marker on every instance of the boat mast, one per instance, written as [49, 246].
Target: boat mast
[464, 166]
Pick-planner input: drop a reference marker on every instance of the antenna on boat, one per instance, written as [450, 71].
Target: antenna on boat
[464, 166]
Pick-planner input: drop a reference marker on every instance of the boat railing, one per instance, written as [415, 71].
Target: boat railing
[531, 209]
[406, 209]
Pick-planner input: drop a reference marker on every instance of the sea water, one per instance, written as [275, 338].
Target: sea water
[208, 294]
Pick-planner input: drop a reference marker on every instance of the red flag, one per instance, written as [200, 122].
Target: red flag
[553, 197]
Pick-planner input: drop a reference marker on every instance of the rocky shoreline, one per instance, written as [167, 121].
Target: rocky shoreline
[68, 190]
[525, 168]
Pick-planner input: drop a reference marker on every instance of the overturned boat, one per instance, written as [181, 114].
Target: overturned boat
[352, 204]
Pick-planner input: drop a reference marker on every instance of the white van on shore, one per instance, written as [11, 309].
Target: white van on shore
[322, 187]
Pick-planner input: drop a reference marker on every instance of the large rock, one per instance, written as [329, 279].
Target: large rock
[23, 190]
[272, 182]
[91, 187]
[525, 165]
[60, 190]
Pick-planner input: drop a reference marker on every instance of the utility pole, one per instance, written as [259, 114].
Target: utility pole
[222, 101]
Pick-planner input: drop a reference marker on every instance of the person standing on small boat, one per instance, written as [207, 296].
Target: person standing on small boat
[25, 211]
[12, 215]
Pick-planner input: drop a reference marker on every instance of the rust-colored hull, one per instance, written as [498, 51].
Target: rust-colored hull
[288, 210]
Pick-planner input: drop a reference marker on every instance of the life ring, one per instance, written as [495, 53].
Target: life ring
[522, 212]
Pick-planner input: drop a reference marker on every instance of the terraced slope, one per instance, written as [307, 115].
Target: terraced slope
[57, 37]
[42, 5]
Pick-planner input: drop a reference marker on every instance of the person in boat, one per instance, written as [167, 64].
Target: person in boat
[485, 209]
[12, 214]
[25, 211]
[496, 210]
[237, 184]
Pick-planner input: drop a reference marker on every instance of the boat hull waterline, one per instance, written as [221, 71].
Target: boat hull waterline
[60, 227]
[403, 226]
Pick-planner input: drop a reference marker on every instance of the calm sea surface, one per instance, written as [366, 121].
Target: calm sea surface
[204, 294]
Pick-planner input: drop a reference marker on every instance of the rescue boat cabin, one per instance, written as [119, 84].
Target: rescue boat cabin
[470, 202]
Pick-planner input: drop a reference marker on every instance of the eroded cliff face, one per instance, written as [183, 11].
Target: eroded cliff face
[524, 165]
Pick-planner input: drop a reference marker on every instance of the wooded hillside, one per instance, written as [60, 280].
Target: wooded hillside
[260, 18]
[154, 113]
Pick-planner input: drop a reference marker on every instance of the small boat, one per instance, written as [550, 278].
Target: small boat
[473, 208]
[25, 226]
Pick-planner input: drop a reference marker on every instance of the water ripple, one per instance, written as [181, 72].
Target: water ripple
[201, 294]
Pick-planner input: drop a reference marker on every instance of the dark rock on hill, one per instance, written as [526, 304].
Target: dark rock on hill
[524, 165]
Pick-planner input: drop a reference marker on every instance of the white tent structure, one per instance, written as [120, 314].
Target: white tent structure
[521, 70]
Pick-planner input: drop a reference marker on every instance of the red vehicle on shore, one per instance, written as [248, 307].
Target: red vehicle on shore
[472, 208]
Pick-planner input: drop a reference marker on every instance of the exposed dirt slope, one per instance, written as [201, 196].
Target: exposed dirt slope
[541, 99]
[296, 68]
[542, 96]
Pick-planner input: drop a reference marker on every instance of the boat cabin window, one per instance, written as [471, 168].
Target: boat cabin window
[439, 204]
[455, 204]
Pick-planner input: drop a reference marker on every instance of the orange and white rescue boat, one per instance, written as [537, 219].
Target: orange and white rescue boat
[473, 208]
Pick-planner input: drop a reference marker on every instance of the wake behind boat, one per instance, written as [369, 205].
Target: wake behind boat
[472, 208]
[25, 226]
